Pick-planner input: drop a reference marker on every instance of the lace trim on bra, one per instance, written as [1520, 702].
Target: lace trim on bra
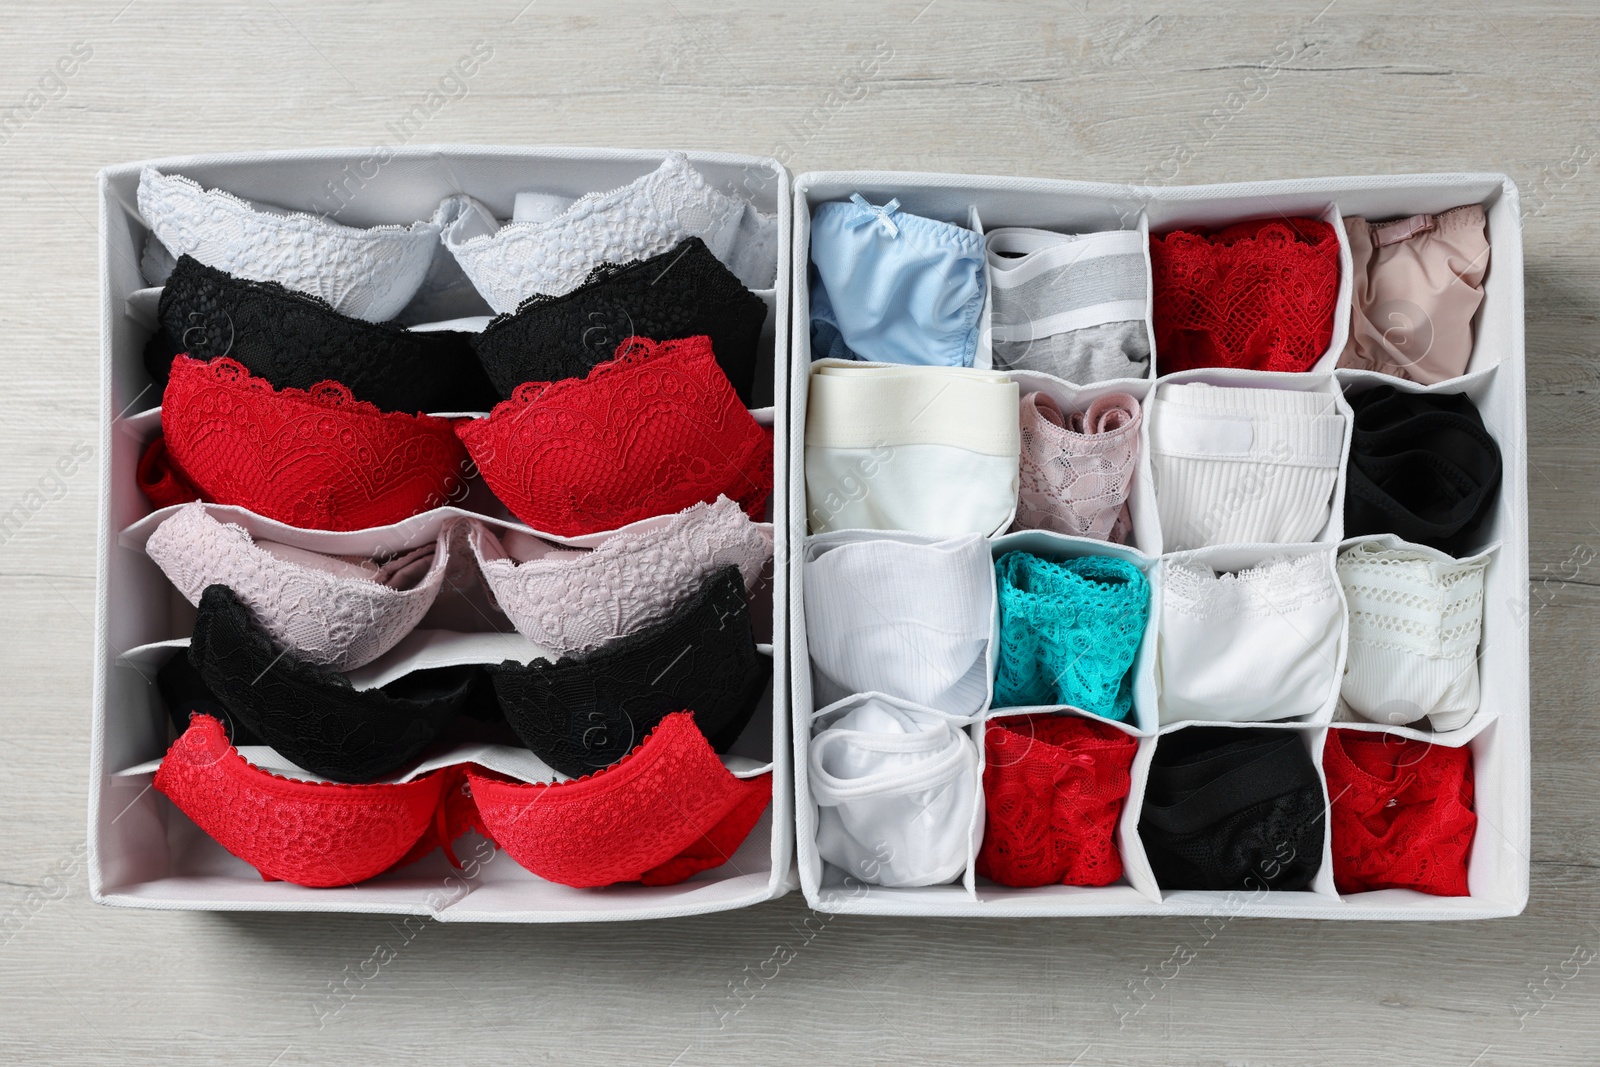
[310, 714]
[330, 617]
[295, 340]
[309, 833]
[1053, 789]
[652, 432]
[644, 218]
[1272, 587]
[576, 603]
[1257, 294]
[683, 292]
[366, 273]
[314, 458]
[662, 814]
[1408, 602]
[584, 712]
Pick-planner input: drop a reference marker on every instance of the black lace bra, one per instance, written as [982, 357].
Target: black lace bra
[583, 713]
[310, 714]
[1228, 808]
[295, 341]
[683, 292]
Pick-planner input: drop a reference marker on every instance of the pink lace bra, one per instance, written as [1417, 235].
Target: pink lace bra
[572, 600]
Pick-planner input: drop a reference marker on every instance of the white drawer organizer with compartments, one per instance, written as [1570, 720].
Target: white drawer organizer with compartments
[1496, 735]
[143, 852]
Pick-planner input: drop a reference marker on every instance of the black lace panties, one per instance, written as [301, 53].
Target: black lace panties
[1233, 809]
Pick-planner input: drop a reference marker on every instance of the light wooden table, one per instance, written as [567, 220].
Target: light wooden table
[1199, 92]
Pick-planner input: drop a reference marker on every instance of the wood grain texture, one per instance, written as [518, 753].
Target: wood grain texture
[1083, 90]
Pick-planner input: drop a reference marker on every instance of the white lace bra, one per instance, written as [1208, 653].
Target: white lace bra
[576, 600]
[552, 253]
[338, 612]
[365, 273]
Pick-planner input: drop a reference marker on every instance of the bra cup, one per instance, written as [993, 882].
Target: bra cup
[909, 619]
[317, 459]
[897, 794]
[511, 262]
[915, 285]
[666, 812]
[293, 340]
[683, 292]
[309, 833]
[337, 622]
[309, 714]
[582, 602]
[654, 431]
[583, 713]
[365, 273]
[1258, 645]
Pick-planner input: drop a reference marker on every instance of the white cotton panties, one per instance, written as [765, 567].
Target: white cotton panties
[897, 793]
[1243, 466]
[1416, 616]
[901, 614]
[925, 449]
[1256, 645]
[1071, 306]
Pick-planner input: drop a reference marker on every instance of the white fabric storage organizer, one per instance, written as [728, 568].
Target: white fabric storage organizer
[142, 851]
[1497, 734]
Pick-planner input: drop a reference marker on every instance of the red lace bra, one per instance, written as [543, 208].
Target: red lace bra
[662, 814]
[309, 833]
[1257, 294]
[314, 458]
[1401, 812]
[1053, 787]
[653, 431]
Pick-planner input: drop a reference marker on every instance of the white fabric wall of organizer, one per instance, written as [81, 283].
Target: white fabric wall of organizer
[1135, 573]
[410, 615]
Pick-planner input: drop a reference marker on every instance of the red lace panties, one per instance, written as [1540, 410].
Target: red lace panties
[1401, 811]
[309, 833]
[1258, 294]
[1053, 786]
[655, 430]
[662, 814]
[314, 458]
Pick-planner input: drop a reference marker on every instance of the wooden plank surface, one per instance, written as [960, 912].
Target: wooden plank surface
[1187, 92]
